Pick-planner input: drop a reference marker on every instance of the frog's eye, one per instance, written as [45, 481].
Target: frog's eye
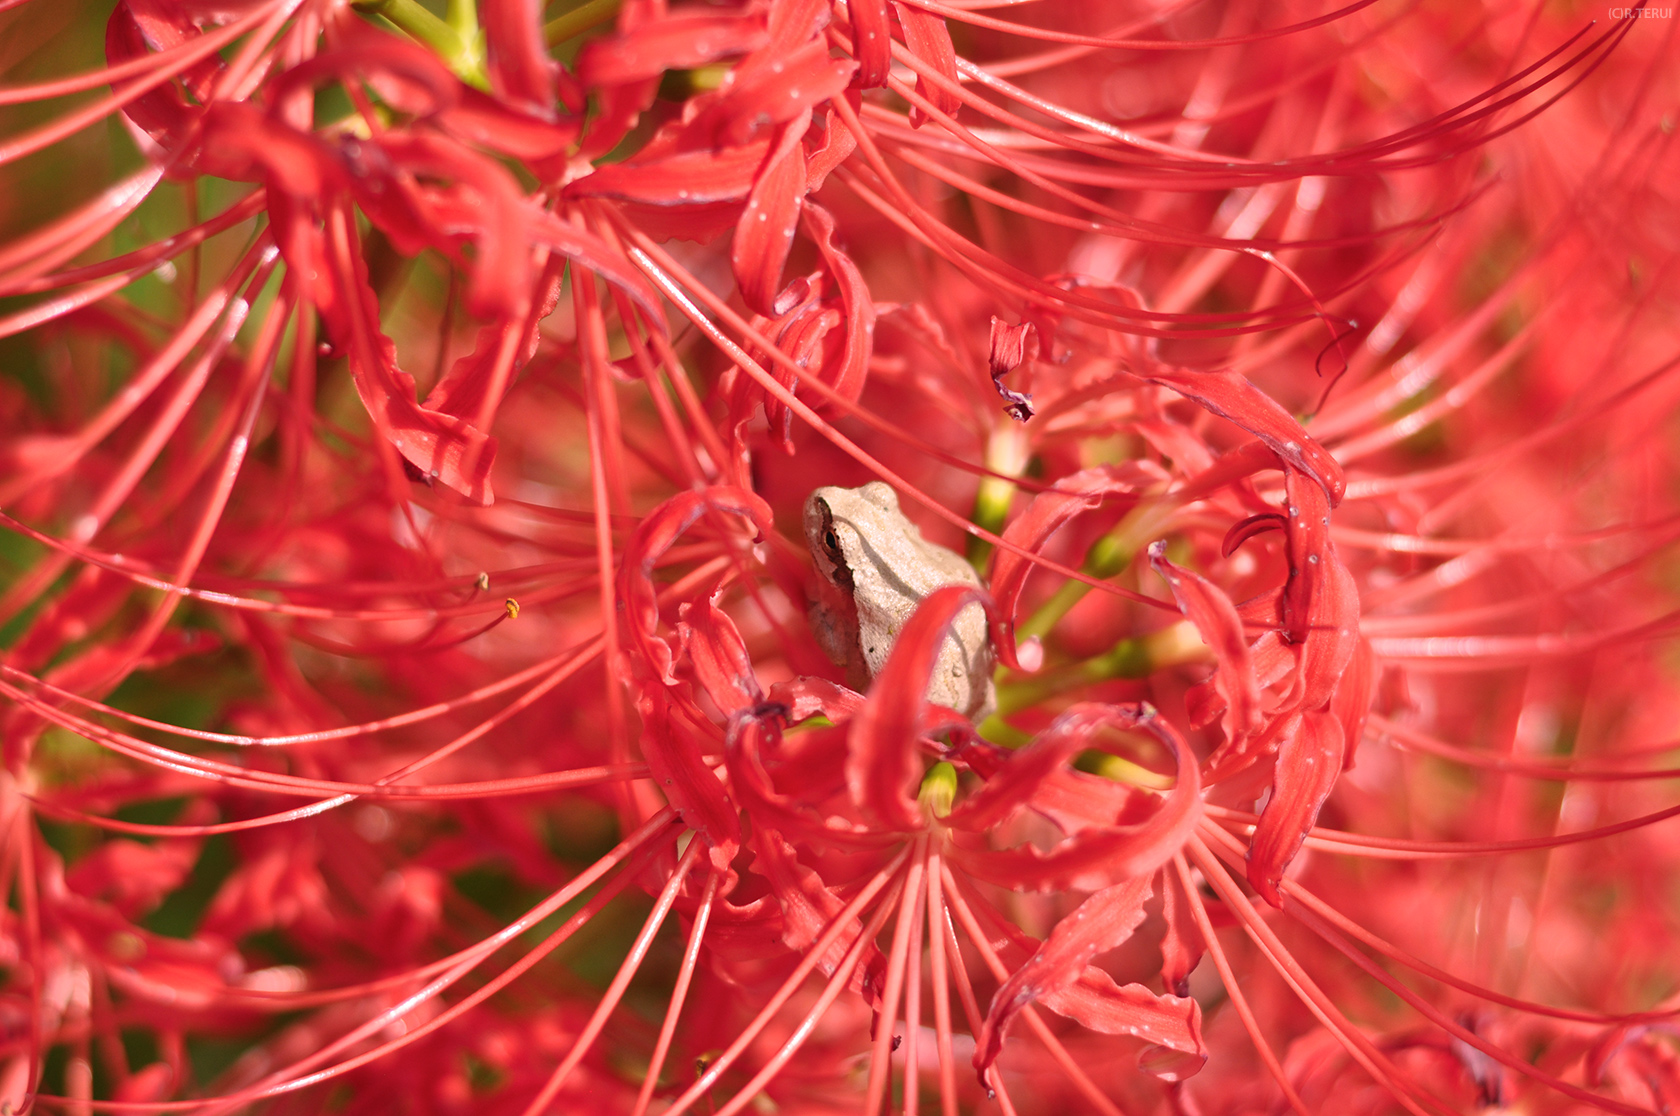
[831, 541]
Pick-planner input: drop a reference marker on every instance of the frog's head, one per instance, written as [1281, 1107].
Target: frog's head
[838, 521]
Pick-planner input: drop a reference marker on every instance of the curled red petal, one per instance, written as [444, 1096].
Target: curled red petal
[620, 107]
[1103, 921]
[674, 43]
[461, 390]
[520, 70]
[1204, 703]
[1308, 763]
[926, 37]
[793, 22]
[1012, 346]
[243, 143]
[656, 534]
[801, 332]
[1022, 777]
[771, 88]
[808, 907]
[442, 447]
[1232, 396]
[482, 202]
[674, 747]
[1099, 855]
[1236, 754]
[832, 149]
[408, 78]
[764, 235]
[1182, 944]
[480, 119]
[1030, 530]
[807, 697]
[1320, 603]
[1351, 702]
[883, 764]
[1307, 526]
[591, 251]
[1221, 628]
[680, 178]
[164, 112]
[718, 656]
[871, 41]
[1171, 1024]
[164, 25]
[1334, 635]
[847, 373]
[777, 779]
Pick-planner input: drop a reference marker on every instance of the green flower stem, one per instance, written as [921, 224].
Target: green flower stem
[462, 51]
[938, 790]
[590, 14]
[1125, 771]
[1108, 556]
[1002, 733]
[1130, 658]
[462, 15]
[1007, 453]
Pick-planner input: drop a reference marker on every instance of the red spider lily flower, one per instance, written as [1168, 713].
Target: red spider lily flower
[410, 700]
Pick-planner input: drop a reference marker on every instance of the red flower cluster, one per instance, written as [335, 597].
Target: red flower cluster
[404, 597]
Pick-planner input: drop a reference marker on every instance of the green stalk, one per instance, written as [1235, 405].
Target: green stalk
[458, 42]
[569, 25]
[1130, 658]
[1007, 452]
[1108, 556]
[938, 790]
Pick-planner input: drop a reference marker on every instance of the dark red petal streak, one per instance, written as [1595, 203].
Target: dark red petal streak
[1246, 529]
[1182, 945]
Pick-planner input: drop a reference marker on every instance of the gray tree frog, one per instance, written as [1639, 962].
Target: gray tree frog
[873, 569]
